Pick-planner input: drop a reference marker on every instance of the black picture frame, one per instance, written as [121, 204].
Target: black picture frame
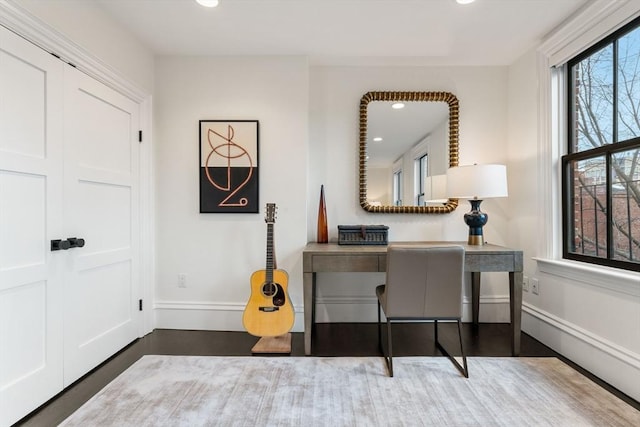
[229, 166]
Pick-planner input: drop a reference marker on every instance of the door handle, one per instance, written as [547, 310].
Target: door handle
[75, 242]
[63, 245]
[57, 245]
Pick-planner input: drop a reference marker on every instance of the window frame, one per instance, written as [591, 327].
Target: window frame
[421, 170]
[605, 151]
[397, 178]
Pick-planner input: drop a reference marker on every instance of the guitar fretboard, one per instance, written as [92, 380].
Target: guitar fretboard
[270, 256]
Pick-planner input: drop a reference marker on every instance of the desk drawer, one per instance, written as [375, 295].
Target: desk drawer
[340, 263]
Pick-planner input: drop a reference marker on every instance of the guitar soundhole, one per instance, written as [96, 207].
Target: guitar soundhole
[269, 289]
[275, 291]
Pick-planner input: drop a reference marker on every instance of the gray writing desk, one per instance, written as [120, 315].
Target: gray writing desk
[331, 257]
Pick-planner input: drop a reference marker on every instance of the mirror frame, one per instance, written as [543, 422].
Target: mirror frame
[447, 97]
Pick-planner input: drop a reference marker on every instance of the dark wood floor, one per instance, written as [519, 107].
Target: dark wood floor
[330, 339]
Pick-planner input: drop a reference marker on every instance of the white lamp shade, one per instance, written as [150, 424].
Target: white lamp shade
[477, 182]
[436, 189]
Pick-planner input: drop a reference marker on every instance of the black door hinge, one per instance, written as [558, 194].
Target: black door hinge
[140, 305]
[139, 136]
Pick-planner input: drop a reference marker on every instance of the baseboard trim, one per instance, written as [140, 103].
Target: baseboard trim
[612, 363]
[211, 316]
[612, 349]
[227, 316]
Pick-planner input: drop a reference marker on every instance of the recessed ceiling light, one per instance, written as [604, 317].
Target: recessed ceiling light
[465, 1]
[208, 3]
[377, 139]
[397, 105]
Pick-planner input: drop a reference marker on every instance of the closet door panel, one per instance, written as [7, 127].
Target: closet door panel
[22, 106]
[101, 204]
[23, 219]
[31, 184]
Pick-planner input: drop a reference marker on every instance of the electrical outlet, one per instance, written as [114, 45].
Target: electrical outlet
[182, 280]
[525, 283]
[535, 286]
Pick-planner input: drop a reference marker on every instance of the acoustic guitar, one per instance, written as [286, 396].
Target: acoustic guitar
[269, 312]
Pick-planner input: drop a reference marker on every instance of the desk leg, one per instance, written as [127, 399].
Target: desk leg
[308, 292]
[475, 297]
[515, 298]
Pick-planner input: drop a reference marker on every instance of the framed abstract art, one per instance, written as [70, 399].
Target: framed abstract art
[229, 166]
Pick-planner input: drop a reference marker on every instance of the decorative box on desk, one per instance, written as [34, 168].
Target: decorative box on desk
[362, 235]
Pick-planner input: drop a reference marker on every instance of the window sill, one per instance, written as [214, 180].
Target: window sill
[625, 282]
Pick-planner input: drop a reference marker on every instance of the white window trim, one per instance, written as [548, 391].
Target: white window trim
[620, 281]
[599, 19]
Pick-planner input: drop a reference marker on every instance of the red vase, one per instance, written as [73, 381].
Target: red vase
[323, 231]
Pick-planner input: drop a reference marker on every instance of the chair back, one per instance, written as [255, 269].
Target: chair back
[424, 282]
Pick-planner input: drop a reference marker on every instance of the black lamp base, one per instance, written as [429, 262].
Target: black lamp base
[475, 220]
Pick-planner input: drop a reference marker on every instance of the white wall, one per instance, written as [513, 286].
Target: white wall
[522, 128]
[589, 314]
[380, 184]
[438, 143]
[218, 252]
[86, 24]
[333, 149]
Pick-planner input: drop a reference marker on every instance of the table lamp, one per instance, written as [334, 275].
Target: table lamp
[476, 183]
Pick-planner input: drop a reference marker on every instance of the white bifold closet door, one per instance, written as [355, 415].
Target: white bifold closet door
[100, 206]
[68, 169]
[31, 182]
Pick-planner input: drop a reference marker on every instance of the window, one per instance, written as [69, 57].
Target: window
[421, 176]
[397, 188]
[601, 172]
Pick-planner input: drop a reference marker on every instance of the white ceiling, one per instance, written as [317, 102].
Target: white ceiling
[350, 32]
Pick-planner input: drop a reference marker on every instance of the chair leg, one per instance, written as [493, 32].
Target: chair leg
[464, 357]
[389, 360]
[379, 329]
[463, 369]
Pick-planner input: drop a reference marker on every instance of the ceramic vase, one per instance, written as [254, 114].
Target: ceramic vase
[323, 231]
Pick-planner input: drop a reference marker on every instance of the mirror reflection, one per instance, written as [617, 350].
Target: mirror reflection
[407, 142]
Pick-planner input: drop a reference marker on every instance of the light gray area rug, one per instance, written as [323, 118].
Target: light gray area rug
[347, 391]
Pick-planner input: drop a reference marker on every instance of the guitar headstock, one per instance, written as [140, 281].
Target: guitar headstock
[270, 216]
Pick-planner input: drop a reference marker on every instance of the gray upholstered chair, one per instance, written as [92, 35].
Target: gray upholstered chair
[423, 283]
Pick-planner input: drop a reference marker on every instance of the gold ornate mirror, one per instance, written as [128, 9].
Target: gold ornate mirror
[401, 149]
